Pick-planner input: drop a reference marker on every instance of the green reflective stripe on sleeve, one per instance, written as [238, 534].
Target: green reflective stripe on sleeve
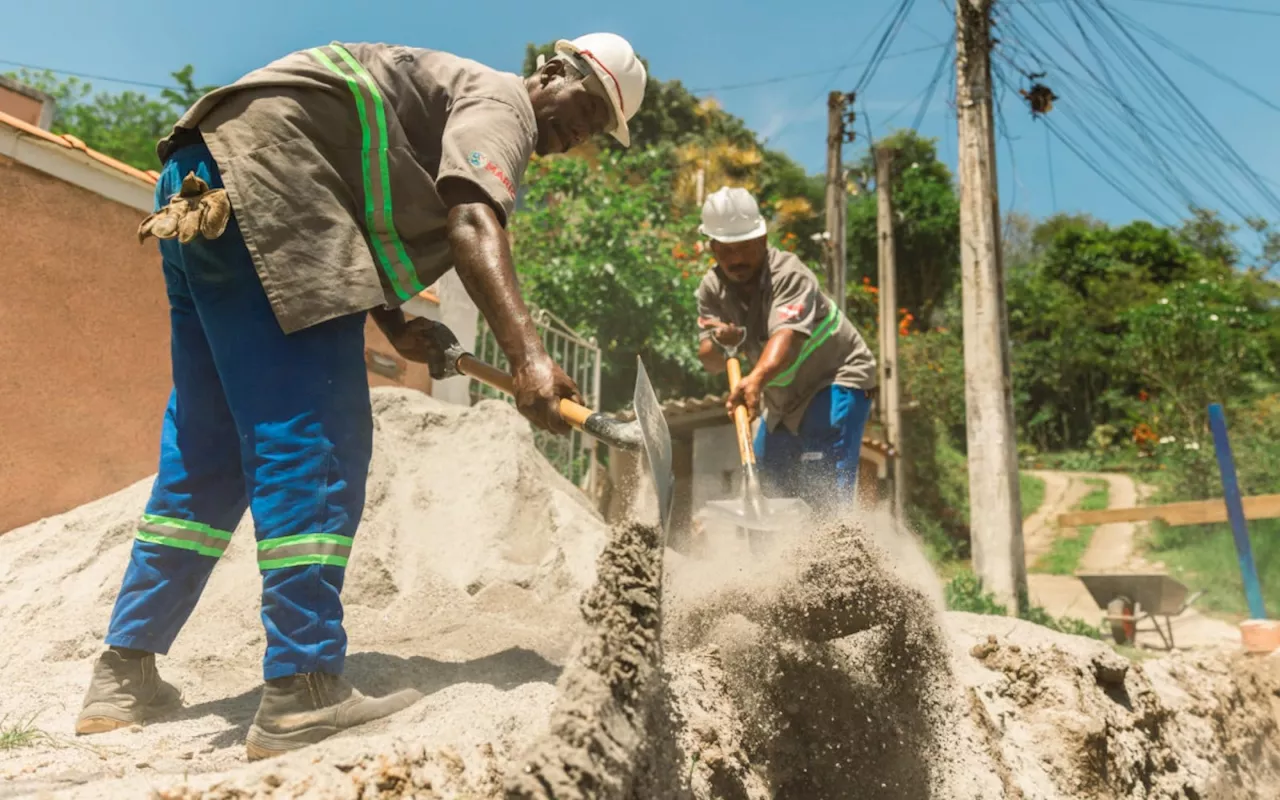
[376, 172]
[303, 549]
[183, 534]
[819, 337]
[384, 166]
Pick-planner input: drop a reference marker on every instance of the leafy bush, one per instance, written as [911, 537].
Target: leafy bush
[965, 593]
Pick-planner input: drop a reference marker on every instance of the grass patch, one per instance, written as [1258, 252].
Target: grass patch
[22, 733]
[964, 593]
[1204, 557]
[1031, 489]
[1064, 556]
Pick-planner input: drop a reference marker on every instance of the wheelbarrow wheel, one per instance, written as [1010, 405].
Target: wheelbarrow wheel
[1122, 630]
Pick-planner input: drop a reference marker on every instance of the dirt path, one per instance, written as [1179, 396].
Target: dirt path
[1113, 548]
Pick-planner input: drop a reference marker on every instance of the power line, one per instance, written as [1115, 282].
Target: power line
[1048, 153]
[1199, 62]
[1155, 88]
[840, 70]
[811, 73]
[886, 39]
[924, 95]
[1214, 7]
[933, 85]
[90, 76]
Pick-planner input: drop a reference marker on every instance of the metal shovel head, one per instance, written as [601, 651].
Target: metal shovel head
[657, 443]
[778, 515]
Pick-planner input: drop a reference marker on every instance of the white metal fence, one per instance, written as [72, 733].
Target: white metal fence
[573, 455]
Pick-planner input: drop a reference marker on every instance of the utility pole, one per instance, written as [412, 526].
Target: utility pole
[890, 390]
[837, 196]
[995, 520]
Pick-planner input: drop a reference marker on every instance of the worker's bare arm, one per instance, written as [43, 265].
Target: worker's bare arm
[780, 352]
[390, 321]
[482, 258]
[712, 357]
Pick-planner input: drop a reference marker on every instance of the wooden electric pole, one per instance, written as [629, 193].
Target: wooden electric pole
[995, 519]
[890, 390]
[836, 198]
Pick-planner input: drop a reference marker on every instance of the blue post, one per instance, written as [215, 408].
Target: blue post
[1235, 511]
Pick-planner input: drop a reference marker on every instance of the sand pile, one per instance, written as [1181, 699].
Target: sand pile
[464, 583]
[555, 665]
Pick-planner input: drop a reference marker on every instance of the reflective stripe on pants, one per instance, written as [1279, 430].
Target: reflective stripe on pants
[279, 425]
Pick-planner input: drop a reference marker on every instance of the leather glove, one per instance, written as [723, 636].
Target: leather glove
[196, 209]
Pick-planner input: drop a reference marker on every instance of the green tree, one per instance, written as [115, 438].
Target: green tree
[600, 245]
[926, 225]
[124, 125]
[1066, 317]
[1200, 342]
[704, 133]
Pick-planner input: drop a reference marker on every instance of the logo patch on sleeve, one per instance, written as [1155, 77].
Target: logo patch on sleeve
[788, 313]
[481, 161]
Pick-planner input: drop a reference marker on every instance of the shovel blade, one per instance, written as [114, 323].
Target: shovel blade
[657, 444]
[784, 514]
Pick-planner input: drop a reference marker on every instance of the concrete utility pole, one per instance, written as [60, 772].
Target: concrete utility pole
[890, 390]
[995, 520]
[836, 197]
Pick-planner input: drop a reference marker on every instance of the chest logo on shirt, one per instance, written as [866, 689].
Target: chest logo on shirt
[481, 161]
[793, 311]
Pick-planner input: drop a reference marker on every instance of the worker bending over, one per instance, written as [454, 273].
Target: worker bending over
[812, 372]
[334, 182]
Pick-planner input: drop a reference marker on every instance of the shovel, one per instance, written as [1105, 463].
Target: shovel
[753, 511]
[647, 433]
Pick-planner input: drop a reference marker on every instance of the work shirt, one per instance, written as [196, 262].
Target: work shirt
[331, 158]
[788, 297]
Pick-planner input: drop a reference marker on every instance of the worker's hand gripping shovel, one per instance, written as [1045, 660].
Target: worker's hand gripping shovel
[648, 433]
[752, 512]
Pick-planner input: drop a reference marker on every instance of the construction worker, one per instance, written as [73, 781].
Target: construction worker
[331, 183]
[812, 373]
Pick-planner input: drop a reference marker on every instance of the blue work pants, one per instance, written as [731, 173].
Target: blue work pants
[819, 464]
[278, 424]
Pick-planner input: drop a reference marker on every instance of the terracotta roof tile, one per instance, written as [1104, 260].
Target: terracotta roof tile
[72, 143]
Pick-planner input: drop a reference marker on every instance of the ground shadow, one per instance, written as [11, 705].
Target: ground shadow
[380, 673]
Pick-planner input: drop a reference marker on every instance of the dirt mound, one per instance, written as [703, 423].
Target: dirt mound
[464, 583]
[836, 678]
[1065, 716]
[823, 668]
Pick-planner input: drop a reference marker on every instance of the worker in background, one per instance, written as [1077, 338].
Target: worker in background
[812, 374]
[330, 184]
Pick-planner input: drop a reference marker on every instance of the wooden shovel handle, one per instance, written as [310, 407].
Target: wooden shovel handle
[741, 417]
[572, 413]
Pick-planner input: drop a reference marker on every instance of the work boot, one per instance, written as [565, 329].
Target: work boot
[304, 709]
[125, 691]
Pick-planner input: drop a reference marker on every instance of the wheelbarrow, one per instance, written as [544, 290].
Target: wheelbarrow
[1131, 599]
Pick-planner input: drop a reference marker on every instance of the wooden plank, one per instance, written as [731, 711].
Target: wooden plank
[1200, 512]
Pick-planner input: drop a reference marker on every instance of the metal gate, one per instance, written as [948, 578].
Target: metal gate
[573, 455]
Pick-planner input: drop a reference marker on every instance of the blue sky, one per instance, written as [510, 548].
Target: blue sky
[715, 43]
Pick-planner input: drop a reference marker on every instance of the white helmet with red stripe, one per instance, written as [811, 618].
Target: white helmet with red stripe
[614, 62]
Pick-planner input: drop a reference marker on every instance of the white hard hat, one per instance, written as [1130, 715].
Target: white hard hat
[615, 64]
[731, 215]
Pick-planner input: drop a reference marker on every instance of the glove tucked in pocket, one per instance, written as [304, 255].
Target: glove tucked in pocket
[196, 209]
